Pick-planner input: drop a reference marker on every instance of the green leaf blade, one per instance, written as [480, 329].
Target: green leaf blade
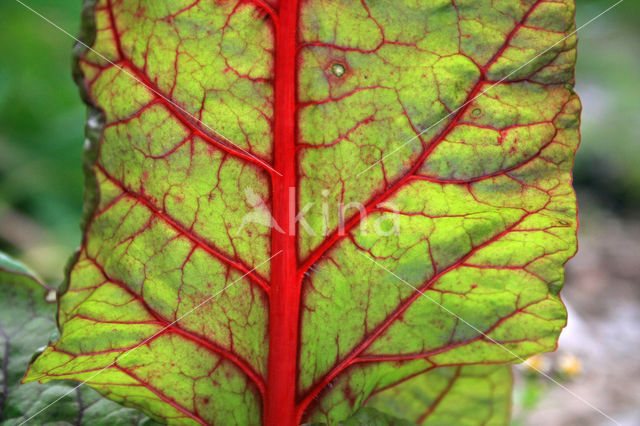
[470, 395]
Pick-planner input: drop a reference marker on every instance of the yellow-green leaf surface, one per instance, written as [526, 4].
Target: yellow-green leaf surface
[463, 395]
[27, 320]
[372, 417]
[293, 205]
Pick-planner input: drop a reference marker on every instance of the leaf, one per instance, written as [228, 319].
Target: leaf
[26, 321]
[464, 395]
[372, 417]
[200, 297]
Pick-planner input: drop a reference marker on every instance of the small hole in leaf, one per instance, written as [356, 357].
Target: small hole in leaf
[338, 70]
[476, 112]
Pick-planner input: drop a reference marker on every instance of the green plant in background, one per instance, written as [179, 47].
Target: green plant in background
[608, 82]
[488, 192]
[40, 137]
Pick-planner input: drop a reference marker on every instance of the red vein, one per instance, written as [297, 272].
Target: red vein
[248, 272]
[177, 111]
[483, 336]
[368, 340]
[162, 396]
[510, 36]
[266, 7]
[394, 384]
[337, 235]
[169, 327]
[440, 397]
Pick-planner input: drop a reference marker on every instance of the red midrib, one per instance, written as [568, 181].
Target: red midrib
[279, 409]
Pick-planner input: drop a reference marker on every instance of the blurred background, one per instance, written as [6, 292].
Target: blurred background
[41, 135]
